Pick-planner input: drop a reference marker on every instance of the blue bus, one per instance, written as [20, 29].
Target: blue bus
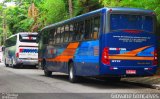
[107, 43]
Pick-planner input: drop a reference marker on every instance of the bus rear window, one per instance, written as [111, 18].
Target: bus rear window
[137, 22]
[27, 37]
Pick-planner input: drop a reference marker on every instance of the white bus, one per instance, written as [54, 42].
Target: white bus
[21, 49]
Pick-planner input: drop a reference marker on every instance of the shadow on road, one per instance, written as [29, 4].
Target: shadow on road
[100, 84]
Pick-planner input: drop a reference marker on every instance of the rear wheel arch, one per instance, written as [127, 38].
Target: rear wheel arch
[43, 63]
[72, 72]
[69, 62]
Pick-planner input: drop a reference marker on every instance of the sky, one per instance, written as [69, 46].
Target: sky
[8, 4]
[1, 1]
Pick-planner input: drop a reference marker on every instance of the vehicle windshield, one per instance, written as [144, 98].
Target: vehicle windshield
[134, 22]
[27, 37]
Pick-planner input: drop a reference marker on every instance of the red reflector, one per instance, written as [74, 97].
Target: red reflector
[155, 61]
[17, 55]
[149, 68]
[110, 10]
[20, 50]
[30, 38]
[132, 31]
[105, 56]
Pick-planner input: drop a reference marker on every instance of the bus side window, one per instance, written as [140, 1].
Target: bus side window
[66, 33]
[45, 37]
[51, 36]
[62, 34]
[81, 30]
[75, 27]
[87, 29]
[54, 36]
[58, 35]
[96, 27]
[71, 32]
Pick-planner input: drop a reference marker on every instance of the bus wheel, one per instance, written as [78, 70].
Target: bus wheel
[6, 64]
[46, 72]
[72, 77]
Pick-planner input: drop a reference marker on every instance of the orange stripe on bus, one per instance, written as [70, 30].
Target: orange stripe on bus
[131, 58]
[134, 52]
[67, 54]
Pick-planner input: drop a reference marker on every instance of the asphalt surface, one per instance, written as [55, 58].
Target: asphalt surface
[27, 81]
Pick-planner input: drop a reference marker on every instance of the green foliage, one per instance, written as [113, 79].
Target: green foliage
[15, 16]
[145, 4]
[84, 6]
[52, 11]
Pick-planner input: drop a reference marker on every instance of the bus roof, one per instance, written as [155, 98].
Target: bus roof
[102, 10]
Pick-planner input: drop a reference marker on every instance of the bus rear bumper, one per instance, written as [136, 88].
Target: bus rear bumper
[125, 71]
[27, 61]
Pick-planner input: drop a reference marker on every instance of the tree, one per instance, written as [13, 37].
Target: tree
[84, 6]
[52, 11]
[70, 4]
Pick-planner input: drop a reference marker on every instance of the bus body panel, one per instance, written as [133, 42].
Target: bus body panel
[55, 60]
[128, 51]
[57, 57]
[86, 58]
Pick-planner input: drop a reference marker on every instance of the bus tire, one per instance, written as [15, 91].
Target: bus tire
[47, 73]
[6, 64]
[72, 77]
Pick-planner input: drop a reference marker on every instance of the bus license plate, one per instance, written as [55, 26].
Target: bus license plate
[130, 71]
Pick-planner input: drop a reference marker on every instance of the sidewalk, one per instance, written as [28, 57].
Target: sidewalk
[152, 82]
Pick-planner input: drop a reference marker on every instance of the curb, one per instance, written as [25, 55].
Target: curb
[154, 86]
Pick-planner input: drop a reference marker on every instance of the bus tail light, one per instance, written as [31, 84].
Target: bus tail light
[20, 50]
[155, 61]
[105, 56]
[17, 54]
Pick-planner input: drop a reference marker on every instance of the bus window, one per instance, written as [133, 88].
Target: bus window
[136, 22]
[96, 27]
[71, 32]
[51, 36]
[58, 35]
[87, 29]
[81, 30]
[11, 41]
[27, 37]
[62, 34]
[92, 27]
[66, 33]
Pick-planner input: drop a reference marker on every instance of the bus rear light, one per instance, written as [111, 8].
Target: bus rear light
[105, 56]
[17, 55]
[20, 50]
[147, 68]
[132, 31]
[110, 10]
[155, 61]
[113, 68]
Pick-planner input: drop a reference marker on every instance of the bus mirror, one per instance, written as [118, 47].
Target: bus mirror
[38, 37]
[3, 48]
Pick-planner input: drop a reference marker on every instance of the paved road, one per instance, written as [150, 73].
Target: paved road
[34, 81]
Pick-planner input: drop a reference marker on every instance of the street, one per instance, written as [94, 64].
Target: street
[33, 81]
